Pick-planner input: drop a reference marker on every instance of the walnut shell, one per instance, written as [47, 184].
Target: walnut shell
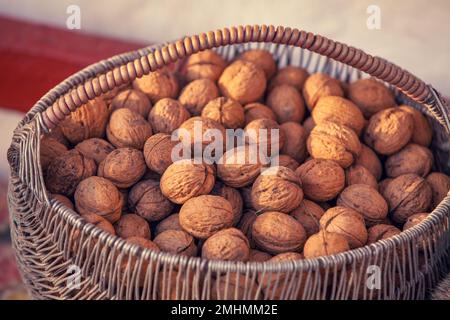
[346, 222]
[413, 158]
[423, 133]
[65, 172]
[414, 220]
[99, 196]
[203, 65]
[333, 141]
[158, 152]
[243, 81]
[277, 189]
[123, 167]
[246, 193]
[309, 124]
[380, 232]
[97, 221]
[95, 148]
[308, 214]
[208, 129]
[167, 115]
[277, 232]
[132, 225]
[178, 285]
[290, 75]
[325, 243]
[246, 224]
[225, 111]
[262, 59]
[389, 130]
[322, 180]
[283, 160]
[295, 141]
[371, 96]
[233, 196]
[369, 159]
[287, 103]
[205, 215]
[64, 200]
[320, 85]
[357, 174]
[258, 256]
[440, 185]
[172, 222]
[365, 200]
[131, 99]
[227, 244]
[407, 194]
[176, 241]
[147, 200]
[88, 121]
[145, 267]
[234, 287]
[128, 129]
[196, 95]
[339, 110]
[158, 85]
[383, 184]
[50, 149]
[256, 110]
[57, 134]
[266, 134]
[185, 179]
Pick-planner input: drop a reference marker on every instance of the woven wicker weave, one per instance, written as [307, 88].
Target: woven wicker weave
[43, 229]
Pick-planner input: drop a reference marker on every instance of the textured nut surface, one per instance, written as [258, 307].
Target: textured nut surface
[389, 130]
[295, 140]
[131, 99]
[99, 196]
[325, 243]
[309, 124]
[258, 256]
[64, 200]
[243, 81]
[256, 110]
[290, 75]
[277, 232]
[413, 158]
[228, 244]
[158, 85]
[368, 159]
[246, 224]
[172, 222]
[233, 196]
[225, 111]
[144, 243]
[266, 134]
[57, 134]
[95, 148]
[414, 220]
[50, 149]
[320, 85]
[132, 225]
[322, 180]
[158, 152]
[422, 133]
[262, 59]
[196, 95]
[440, 185]
[380, 232]
[287, 103]
[383, 184]
[277, 189]
[167, 115]
[147, 200]
[200, 130]
[284, 160]
[185, 179]
[235, 287]
[205, 215]
[204, 64]
[176, 241]
[357, 174]
[308, 213]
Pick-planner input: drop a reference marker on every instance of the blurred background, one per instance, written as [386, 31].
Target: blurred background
[42, 42]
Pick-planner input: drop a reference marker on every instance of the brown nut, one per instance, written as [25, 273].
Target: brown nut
[233, 196]
[196, 95]
[389, 130]
[234, 286]
[413, 158]
[123, 167]
[128, 129]
[65, 172]
[325, 243]
[246, 224]
[203, 65]
[256, 110]
[131, 99]
[258, 256]
[243, 81]
[369, 159]
[167, 115]
[50, 149]
[277, 232]
[146, 200]
[97, 221]
[205, 215]
[320, 85]
[201, 131]
[380, 232]
[145, 267]
[172, 222]
[277, 189]
[322, 180]
[57, 134]
[226, 111]
[176, 241]
[309, 124]
[383, 184]
[365, 200]
[440, 185]
[262, 59]
[414, 220]
[371, 96]
[287, 103]
[290, 75]
[308, 214]
[407, 194]
[99, 196]
[178, 285]
[228, 244]
[339, 110]
[283, 160]
[357, 174]
[333, 141]
[95, 148]
[187, 178]
[158, 152]
[346, 222]
[295, 141]
[266, 134]
[158, 85]
[246, 193]
[422, 133]
[64, 200]
[88, 121]
[132, 225]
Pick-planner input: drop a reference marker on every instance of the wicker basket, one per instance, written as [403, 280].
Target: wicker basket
[110, 268]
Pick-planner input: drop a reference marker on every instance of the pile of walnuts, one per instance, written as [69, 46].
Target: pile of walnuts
[353, 166]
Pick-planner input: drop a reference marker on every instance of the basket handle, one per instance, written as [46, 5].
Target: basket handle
[377, 67]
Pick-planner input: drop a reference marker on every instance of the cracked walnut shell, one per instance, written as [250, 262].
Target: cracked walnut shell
[228, 244]
[413, 158]
[176, 241]
[287, 103]
[225, 111]
[157, 85]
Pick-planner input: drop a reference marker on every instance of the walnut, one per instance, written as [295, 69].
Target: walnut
[172, 222]
[414, 220]
[243, 81]
[322, 180]
[346, 222]
[262, 59]
[309, 124]
[357, 174]
[196, 95]
[50, 149]
[57, 134]
[266, 134]
[284, 160]
[407, 194]
[333, 141]
[233, 196]
[256, 110]
[246, 193]
[167, 115]
[158, 85]
[234, 287]
[132, 225]
[383, 184]
[147, 200]
[413, 158]
[246, 224]
[423, 133]
[225, 111]
[187, 178]
[144, 244]
[128, 129]
[205, 215]
[295, 141]
[64, 200]
[123, 167]
[97, 221]
[95, 148]
[227, 244]
[440, 185]
[371, 96]
[158, 152]
[320, 85]
[277, 232]
[203, 65]
[207, 128]
[380, 232]
[111, 94]
[88, 121]
[99, 196]
[277, 189]
[131, 99]
[368, 159]
[365, 200]
[308, 214]
[339, 110]
[389, 130]
[65, 172]
[290, 75]
[178, 285]
[258, 256]
[325, 243]
[176, 241]
[124, 197]
[287, 103]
